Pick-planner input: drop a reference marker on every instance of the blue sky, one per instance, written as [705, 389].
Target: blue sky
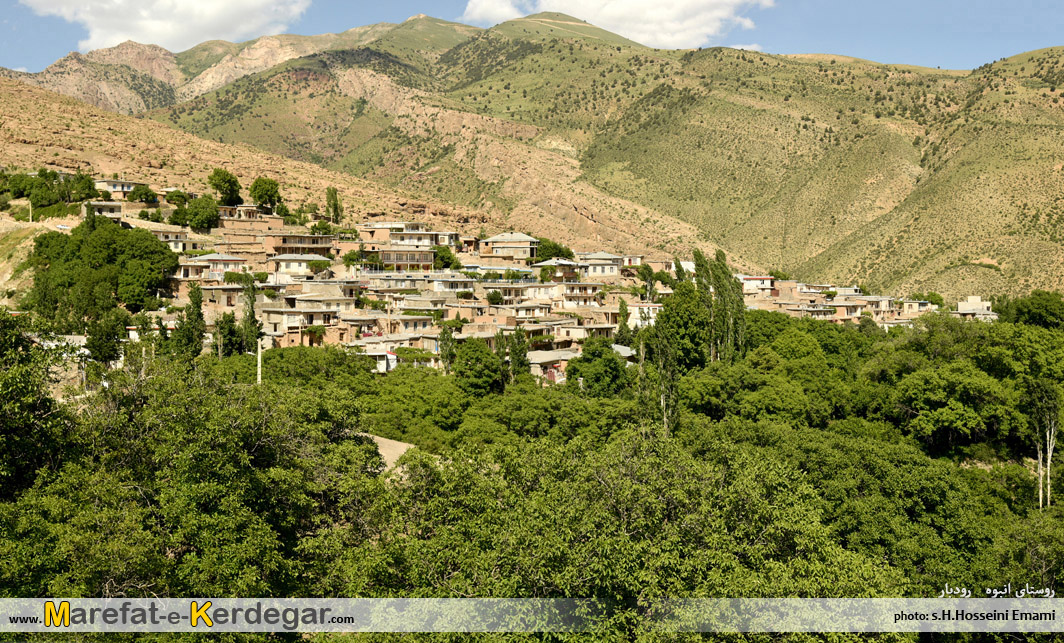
[945, 33]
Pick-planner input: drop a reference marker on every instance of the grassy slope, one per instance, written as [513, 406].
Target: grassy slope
[294, 109]
[298, 109]
[194, 61]
[834, 168]
[422, 39]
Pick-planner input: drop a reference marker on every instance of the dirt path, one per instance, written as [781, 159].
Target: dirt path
[390, 450]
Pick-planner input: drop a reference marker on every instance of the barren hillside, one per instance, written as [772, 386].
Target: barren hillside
[39, 128]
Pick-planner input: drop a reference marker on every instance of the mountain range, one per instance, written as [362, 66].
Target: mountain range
[828, 167]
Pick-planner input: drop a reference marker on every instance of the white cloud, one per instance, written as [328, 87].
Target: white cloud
[665, 24]
[173, 24]
[751, 47]
[22, 69]
[491, 12]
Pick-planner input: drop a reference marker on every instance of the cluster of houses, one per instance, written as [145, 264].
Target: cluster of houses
[374, 287]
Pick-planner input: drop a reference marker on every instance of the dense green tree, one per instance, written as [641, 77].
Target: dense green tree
[477, 368]
[203, 212]
[447, 347]
[178, 216]
[265, 192]
[494, 297]
[502, 350]
[443, 259]
[138, 283]
[729, 316]
[187, 338]
[321, 227]
[518, 348]
[722, 296]
[548, 250]
[18, 185]
[624, 331]
[250, 326]
[34, 428]
[646, 275]
[687, 324]
[78, 187]
[334, 207]
[99, 265]
[677, 268]
[177, 198]
[226, 185]
[658, 376]
[43, 194]
[1040, 308]
[599, 371]
[105, 336]
[142, 193]
[228, 339]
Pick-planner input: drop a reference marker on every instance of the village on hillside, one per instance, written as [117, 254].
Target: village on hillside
[401, 291]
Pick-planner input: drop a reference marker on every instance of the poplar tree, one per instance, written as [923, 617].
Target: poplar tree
[334, 207]
[187, 339]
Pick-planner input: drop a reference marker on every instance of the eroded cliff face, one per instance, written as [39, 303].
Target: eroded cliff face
[270, 51]
[132, 77]
[114, 87]
[540, 180]
[260, 56]
[152, 60]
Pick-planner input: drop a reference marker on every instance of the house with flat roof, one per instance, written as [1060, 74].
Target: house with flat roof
[579, 294]
[210, 266]
[110, 209]
[243, 212]
[405, 257]
[549, 366]
[286, 242]
[914, 308]
[117, 187]
[560, 269]
[510, 244]
[294, 265]
[974, 308]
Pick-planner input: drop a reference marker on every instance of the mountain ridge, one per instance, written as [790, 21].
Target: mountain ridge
[830, 167]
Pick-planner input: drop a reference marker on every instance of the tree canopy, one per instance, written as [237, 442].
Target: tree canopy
[142, 193]
[265, 191]
[98, 266]
[548, 249]
[203, 212]
[812, 460]
[226, 185]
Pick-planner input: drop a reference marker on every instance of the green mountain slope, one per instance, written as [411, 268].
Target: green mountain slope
[551, 25]
[421, 40]
[295, 109]
[829, 167]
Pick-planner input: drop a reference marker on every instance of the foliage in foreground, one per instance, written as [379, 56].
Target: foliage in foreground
[827, 461]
